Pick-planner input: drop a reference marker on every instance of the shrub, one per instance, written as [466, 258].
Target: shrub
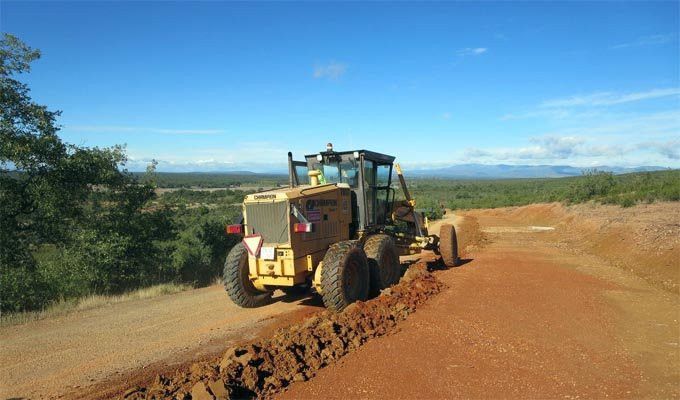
[593, 184]
[199, 251]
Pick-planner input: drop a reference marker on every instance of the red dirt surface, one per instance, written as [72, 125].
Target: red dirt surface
[644, 239]
[93, 353]
[532, 315]
[551, 302]
[296, 353]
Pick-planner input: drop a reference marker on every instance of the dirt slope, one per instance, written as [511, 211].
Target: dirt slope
[66, 355]
[644, 239]
[532, 315]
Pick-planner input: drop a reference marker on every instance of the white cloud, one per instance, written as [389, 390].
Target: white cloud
[651, 40]
[138, 129]
[553, 113]
[446, 115]
[580, 151]
[591, 129]
[471, 51]
[543, 148]
[255, 156]
[670, 149]
[332, 70]
[556, 146]
[624, 126]
[209, 165]
[609, 98]
[589, 106]
[474, 152]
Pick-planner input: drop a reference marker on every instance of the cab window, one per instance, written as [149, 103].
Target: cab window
[384, 175]
[302, 174]
[342, 172]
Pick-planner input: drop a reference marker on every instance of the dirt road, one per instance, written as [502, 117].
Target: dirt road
[531, 315]
[551, 302]
[67, 355]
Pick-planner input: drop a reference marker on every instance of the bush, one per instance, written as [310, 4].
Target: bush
[66, 273]
[200, 249]
[22, 289]
[593, 184]
[191, 259]
[627, 201]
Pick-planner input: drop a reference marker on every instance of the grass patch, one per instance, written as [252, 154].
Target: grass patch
[64, 307]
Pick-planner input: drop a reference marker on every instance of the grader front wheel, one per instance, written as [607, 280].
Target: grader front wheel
[448, 245]
[239, 287]
[344, 275]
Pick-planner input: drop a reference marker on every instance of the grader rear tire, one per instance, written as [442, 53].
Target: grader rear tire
[448, 245]
[344, 275]
[236, 282]
[383, 263]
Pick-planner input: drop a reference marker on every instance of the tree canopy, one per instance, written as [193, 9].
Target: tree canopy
[76, 203]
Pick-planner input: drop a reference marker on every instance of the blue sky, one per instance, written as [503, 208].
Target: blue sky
[217, 85]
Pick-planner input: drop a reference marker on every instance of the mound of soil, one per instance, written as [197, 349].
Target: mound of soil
[644, 239]
[266, 366]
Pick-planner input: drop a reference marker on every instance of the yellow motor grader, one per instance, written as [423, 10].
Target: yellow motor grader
[336, 229]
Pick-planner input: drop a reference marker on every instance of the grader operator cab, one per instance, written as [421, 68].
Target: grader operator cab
[336, 229]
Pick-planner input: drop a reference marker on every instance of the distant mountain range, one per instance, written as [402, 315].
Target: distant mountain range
[474, 171]
[499, 171]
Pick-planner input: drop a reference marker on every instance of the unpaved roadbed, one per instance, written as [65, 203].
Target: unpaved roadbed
[532, 315]
[296, 353]
[587, 309]
[66, 356]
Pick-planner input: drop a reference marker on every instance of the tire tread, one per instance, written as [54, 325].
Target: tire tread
[448, 245]
[331, 275]
[376, 247]
[240, 295]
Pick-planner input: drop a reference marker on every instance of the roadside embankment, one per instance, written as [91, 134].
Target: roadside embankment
[644, 239]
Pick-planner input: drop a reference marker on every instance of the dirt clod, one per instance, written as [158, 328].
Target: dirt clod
[131, 391]
[219, 389]
[200, 392]
[296, 353]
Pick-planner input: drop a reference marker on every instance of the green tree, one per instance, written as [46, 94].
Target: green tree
[594, 184]
[29, 145]
[65, 208]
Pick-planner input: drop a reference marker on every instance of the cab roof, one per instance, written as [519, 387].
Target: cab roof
[368, 155]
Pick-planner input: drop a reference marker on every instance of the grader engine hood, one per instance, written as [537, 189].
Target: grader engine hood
[279, 252]
[278, 215]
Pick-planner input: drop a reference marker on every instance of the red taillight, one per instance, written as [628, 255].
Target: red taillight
[301, 228]
[236, 229]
